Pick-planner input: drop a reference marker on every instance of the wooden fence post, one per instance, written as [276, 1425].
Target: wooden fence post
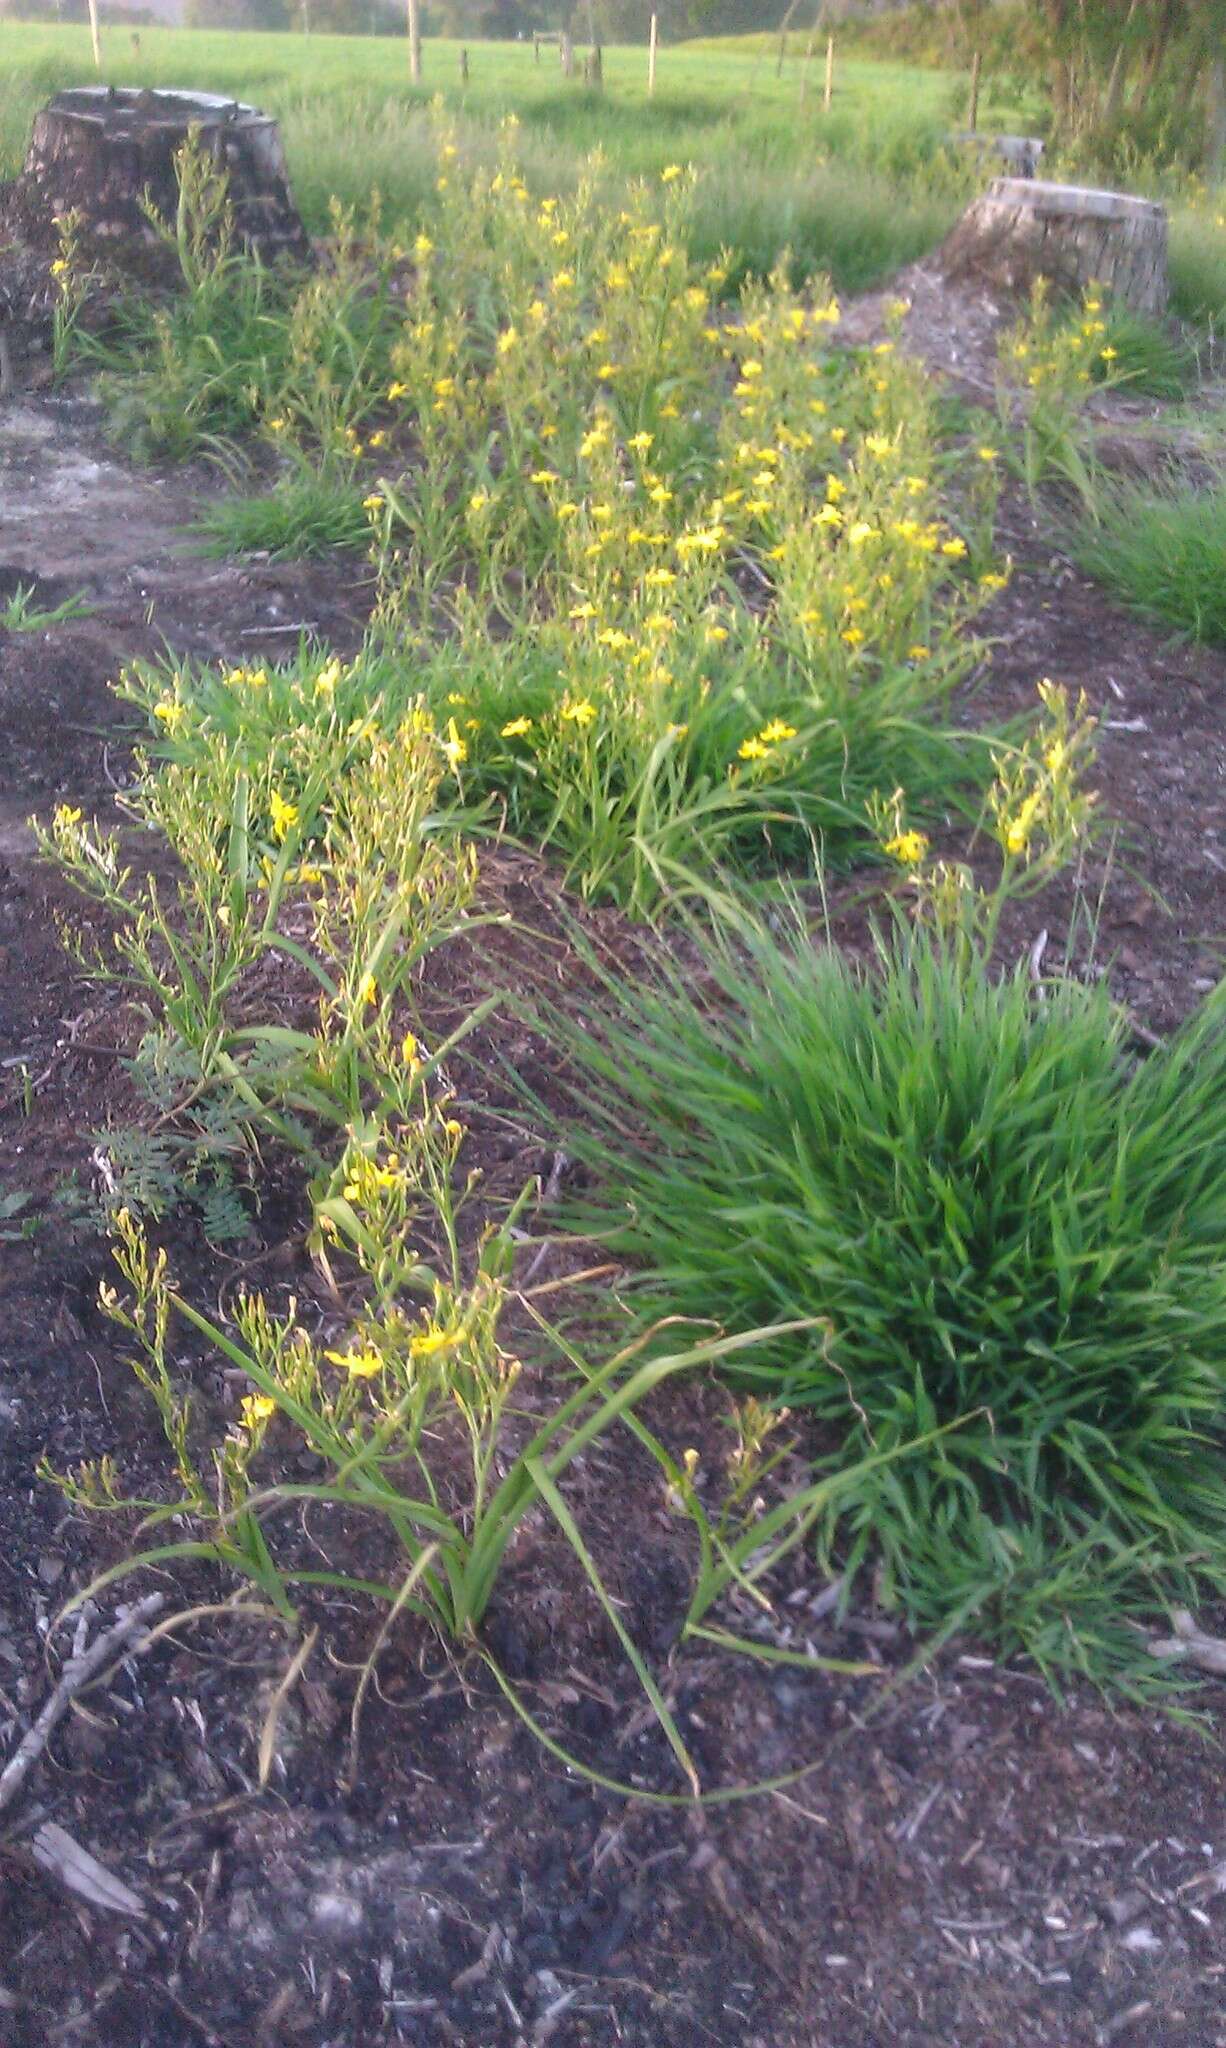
[653, 44]
[804, 70]
[566, 53]
[973, 115]
[94, 36]
[828, 95]
[463, 67]
[415, 41]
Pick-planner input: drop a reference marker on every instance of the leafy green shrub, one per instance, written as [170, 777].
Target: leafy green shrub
[1162, 548]
[1003, 1219]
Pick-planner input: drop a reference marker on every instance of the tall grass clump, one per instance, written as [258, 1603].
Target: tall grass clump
[1162, 548]
[1198, 265]
[1001, 1219]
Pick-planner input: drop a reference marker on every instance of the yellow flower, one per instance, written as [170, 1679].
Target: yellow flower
[374, 503]
[717, 633]
[908, 847]
[544, 477]
[608, 371]
[408, 1051]
[955, 547]
[777, 731]
[515, 728]
[66, 815]
[444, 387]
[670, 172]
[423, 247]
[659, 579]
[563, 281]
[377, 440]
[581, 713]
[1108, 354]
[427, 1342]
[368, 989]
[256, 1408]
[640, 443]
[478, 501]
[751, 369]
[853, 636]
[283, 814]
[395, 391]
[918, 653]
[860, 531]
[507, 340]
[360, 1365]
[454, 747]
[328, 678]
[170, 712]
[752, 750]
[1017, 832]
[988, 455]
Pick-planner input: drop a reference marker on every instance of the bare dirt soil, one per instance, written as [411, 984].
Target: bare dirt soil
[967, 1862]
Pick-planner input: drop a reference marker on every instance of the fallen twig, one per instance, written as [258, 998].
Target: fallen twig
[1190, 1644]
[75, 1676]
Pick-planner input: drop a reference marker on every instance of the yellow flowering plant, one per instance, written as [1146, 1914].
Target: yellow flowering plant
[325, 852]
[1039, 812]
[1049, 366]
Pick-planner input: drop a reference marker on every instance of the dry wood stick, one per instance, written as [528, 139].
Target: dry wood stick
[75, 1676]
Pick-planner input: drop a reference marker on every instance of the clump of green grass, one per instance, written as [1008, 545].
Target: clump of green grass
[1198, 267]
[1162, 549]
[1006, 1224]
[1150, 360]
[304, 515]
[20, 614]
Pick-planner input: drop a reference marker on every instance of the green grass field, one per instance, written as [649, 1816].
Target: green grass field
[857, 192]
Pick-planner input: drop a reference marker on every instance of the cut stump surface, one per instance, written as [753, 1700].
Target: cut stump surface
[1022, 230]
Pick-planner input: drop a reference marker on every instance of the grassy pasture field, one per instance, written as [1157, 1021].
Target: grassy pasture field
[858, 192]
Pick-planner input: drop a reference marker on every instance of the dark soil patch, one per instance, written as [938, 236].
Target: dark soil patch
[967, 1861]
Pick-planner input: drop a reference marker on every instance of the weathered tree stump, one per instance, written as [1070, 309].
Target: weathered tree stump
[100, 151]
[1021, 230]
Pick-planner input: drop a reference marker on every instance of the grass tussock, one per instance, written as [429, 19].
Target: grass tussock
[1008, 1228]
[1162, 549]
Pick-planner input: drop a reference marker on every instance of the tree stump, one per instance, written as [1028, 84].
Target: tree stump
[1021, 230]
[100, 151]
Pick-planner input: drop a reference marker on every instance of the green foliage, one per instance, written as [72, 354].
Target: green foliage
[240, 346]
[306, 514]
[1162, 548]
[1150, 360]
[20, 615]
[1198, 264]
[999, 1216]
